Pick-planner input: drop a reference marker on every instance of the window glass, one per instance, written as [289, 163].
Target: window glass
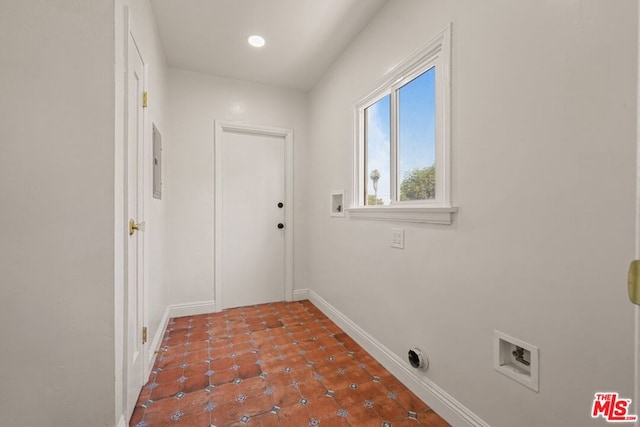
[378, 152]
[417, 138]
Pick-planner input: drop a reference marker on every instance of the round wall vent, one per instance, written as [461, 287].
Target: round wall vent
[418, 359]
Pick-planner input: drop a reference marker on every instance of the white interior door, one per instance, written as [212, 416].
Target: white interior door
[251, 217]
[134, 293]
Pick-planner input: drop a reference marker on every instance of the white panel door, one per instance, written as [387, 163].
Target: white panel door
[252, 220]
[134, 293]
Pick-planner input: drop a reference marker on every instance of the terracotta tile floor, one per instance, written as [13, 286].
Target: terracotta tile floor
[279, 364]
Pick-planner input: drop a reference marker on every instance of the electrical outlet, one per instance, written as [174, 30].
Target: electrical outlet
[397, 238]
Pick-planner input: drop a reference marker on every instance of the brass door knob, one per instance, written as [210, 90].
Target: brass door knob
[133, 227]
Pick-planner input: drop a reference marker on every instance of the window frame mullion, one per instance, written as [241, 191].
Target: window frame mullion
[393, 143]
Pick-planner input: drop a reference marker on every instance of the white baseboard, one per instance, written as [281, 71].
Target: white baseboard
[157, 341]
[175, 310]
[122, 422]
[192, 308]
[300, 294]
[437, 399]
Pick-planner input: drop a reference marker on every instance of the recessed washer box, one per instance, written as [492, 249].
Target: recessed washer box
[516, 359]
[337, 203]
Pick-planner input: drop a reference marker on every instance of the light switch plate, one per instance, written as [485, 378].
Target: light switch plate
[397, 238]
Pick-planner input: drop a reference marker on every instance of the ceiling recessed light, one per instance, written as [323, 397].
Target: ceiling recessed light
[256, 41]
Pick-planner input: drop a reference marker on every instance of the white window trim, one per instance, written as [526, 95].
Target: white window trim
[436, 52]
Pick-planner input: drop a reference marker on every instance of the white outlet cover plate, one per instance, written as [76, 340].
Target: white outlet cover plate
[397, 238]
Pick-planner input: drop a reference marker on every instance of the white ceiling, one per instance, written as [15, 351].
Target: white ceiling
[304, 37]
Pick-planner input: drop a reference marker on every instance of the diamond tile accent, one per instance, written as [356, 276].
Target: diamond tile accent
[177, 415]
[342, 412]
[210, 407]
[412, 415]
[275, 410]
[314, 422]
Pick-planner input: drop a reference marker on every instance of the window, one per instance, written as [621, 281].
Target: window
[402, 167]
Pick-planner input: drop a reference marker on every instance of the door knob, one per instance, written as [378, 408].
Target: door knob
[280, 205]
[133, 227]
[280, 225]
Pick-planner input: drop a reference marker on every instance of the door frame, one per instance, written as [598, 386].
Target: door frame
[636, 308]
[287, 134]
[636, 317]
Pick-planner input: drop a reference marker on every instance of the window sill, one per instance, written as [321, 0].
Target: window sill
[423, 214]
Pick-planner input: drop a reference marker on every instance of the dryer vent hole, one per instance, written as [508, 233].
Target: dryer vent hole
[418, 358]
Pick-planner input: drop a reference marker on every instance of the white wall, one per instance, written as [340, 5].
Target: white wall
[543, 149]
[56, 213]
[148, 42]
[195, 101]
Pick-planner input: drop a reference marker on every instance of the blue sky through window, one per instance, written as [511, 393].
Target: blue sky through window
[379, 147]
[416, 133]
